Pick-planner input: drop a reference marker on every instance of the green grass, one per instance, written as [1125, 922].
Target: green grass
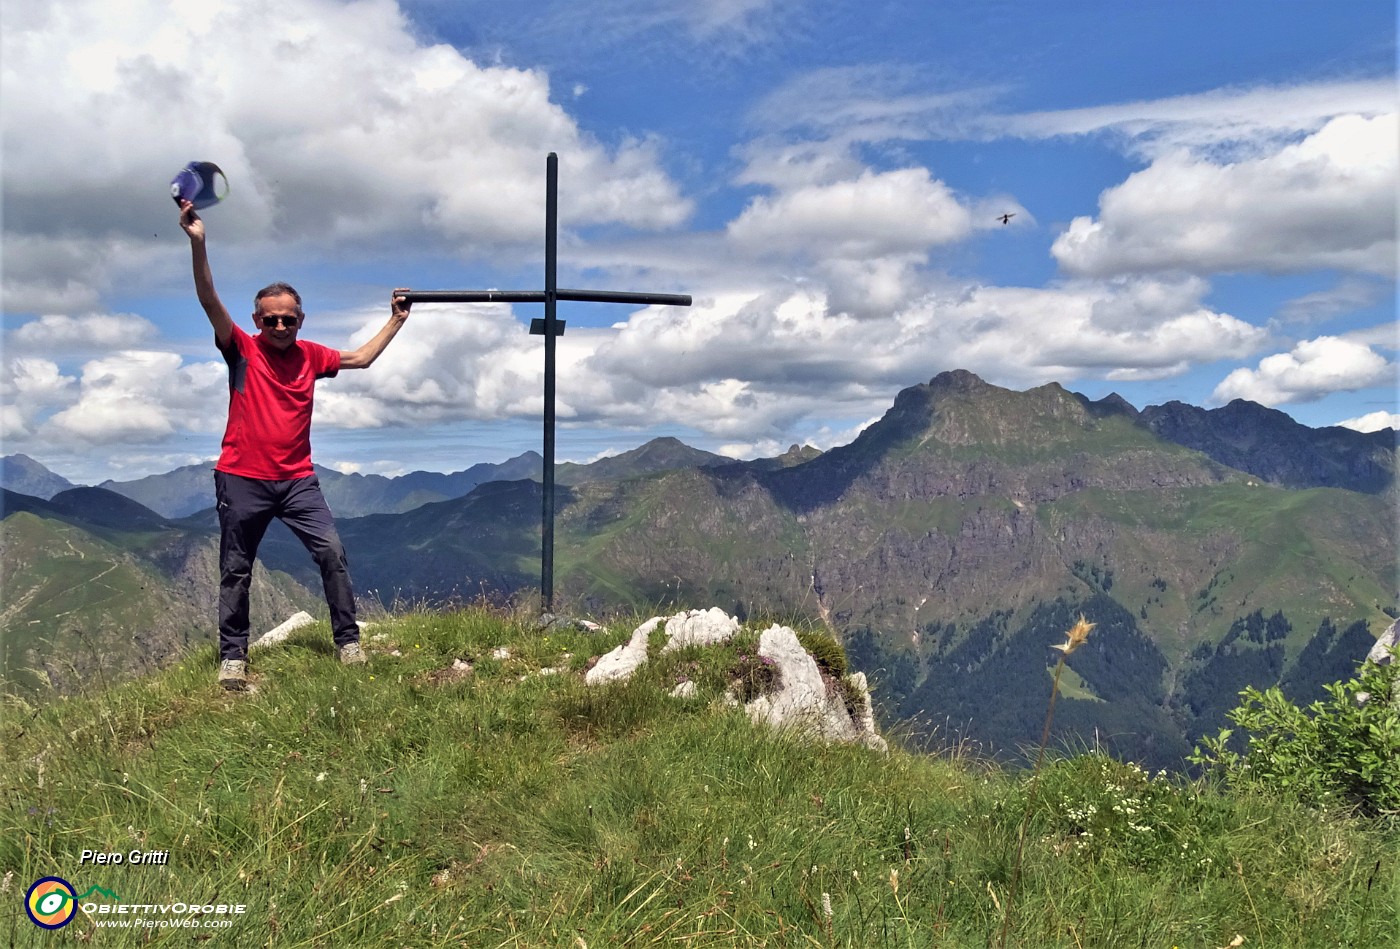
[399, 804]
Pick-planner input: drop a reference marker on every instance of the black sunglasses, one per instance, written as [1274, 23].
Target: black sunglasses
[271, 322]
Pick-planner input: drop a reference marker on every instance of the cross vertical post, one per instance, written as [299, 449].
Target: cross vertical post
[551, 299]
[549, 328]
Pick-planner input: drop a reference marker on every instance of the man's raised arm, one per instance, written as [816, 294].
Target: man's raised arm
[369, 352]
[204, 277]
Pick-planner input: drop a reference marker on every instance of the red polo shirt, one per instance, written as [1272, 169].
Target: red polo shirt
[269, 408]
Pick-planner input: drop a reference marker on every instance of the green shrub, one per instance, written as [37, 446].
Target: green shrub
[1333, 752]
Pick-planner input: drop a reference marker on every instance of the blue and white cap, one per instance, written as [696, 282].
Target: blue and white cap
[202, 183]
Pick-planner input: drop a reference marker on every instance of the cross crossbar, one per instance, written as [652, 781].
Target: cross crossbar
[550, 327]
[538, 296]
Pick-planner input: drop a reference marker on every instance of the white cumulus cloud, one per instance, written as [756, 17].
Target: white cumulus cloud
[874, 215]
[451, 362]
[127, 397]
[1373, 422]
[1313, 369]
[98, 332]
[333, 121]
[1325, 202]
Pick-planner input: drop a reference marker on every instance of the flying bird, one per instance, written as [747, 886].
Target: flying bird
[1006, 218]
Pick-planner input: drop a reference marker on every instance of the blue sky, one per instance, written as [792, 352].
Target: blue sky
[1204, 197]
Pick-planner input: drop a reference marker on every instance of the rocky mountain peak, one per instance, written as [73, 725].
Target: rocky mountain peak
[959, 408]
[797, 454]
[27, 476]
[1110, 405]
[958, 380]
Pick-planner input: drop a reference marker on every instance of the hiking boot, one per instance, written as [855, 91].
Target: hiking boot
[233, 674]
[352, 655]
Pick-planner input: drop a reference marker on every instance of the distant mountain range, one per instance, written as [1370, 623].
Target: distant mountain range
[1270, 444]
[190, 489]
[948, 546]
[1242, 435]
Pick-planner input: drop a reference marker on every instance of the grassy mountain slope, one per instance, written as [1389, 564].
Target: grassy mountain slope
[67, 596]
[1312, 554]
[444, 551]
[97, 588]
[414, 804]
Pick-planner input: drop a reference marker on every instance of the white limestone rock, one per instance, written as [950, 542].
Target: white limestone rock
[621, 662]
[803, 701]
[1380, 652]
[699, 628]
[279, 634]
[865, 720]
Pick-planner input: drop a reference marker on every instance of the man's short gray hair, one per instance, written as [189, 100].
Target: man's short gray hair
[276, 290]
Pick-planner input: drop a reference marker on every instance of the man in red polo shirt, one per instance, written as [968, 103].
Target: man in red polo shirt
[264, 470]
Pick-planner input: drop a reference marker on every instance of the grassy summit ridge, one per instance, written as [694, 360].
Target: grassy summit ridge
[452, 795]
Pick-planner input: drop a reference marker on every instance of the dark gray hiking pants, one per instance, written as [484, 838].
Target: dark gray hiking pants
[246, 508]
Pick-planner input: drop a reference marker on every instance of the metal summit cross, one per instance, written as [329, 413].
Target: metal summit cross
[549, 328]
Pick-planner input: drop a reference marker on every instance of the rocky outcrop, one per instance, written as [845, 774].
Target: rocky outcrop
[1381, 653]
[808, 702]
[281, 632]
[796, 697]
